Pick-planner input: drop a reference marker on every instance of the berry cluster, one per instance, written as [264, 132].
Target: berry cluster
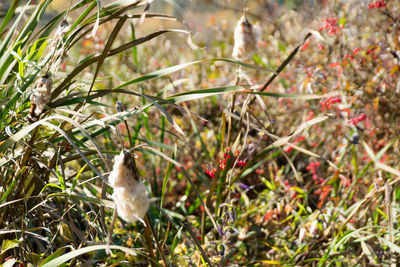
[223, 162]
[240, 163]
[330, 101]
[306, 45]
[377, 4]
[358, 119]
[348, 56]
[331, 25]
[313, 168]
[211, 172]
[227, 155]
[66, 148]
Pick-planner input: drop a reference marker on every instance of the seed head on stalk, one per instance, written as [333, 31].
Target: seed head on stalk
[245, 39]
[130, 195]
[40, 97]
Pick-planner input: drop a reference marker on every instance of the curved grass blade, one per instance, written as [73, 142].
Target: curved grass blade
[96, 24]
[73, 254]
[108, 13]
[197, 94]
[9, 15]
[106, 49]
[169, 70]
[280, 141]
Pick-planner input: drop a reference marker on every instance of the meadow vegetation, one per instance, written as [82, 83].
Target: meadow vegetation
[280, 148]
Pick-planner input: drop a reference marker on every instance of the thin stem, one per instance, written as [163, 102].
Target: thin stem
[147, 234]
[109, 235]
[237, 80]
[150, 225]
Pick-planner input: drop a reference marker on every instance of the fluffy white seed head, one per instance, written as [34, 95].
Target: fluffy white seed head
[130, 195]
[122, 175]
[132, 204]
[245, 39]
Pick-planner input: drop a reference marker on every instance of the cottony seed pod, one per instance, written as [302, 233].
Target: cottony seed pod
[130, 195]
[245, 39]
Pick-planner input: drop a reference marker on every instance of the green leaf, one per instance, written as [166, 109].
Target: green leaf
[60, 179]
[41, 50]
[9, 244]
[77, 177]
[53, 256]
[166, 176]
[9, 15]
[20, 63]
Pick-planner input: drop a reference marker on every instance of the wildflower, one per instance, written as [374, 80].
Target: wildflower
[61, 31]
[245, 39]
[130, 195]
[40, 97]
[243, 186]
